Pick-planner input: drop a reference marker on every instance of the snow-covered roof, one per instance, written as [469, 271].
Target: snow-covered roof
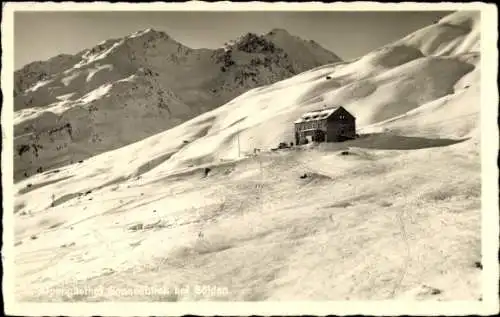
[316, 115]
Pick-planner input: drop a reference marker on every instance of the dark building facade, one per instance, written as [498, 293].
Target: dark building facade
[325, 125]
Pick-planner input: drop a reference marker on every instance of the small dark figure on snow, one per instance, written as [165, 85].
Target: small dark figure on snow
[303, 176]
[206, 171]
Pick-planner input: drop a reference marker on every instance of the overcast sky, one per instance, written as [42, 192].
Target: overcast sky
[41, 35]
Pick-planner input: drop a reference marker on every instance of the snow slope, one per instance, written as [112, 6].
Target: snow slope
[396, 216]
[454, 34]
[74, 106]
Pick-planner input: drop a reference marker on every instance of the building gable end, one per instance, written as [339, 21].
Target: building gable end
[341, 111]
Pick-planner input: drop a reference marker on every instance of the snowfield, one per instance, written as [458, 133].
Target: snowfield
[394, 214]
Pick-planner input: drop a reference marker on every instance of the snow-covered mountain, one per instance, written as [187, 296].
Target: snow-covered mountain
[392, 214]
[123, 90]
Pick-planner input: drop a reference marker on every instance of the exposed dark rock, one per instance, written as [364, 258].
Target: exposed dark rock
[252, 43]
[206, 171]
[22, 149]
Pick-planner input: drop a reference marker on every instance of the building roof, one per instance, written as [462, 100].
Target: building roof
[316, 115]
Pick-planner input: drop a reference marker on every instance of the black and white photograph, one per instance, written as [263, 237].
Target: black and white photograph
[250, 154]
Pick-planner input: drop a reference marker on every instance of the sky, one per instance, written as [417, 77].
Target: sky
[41, 35]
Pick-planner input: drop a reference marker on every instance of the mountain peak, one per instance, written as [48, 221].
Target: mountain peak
[149, 32]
